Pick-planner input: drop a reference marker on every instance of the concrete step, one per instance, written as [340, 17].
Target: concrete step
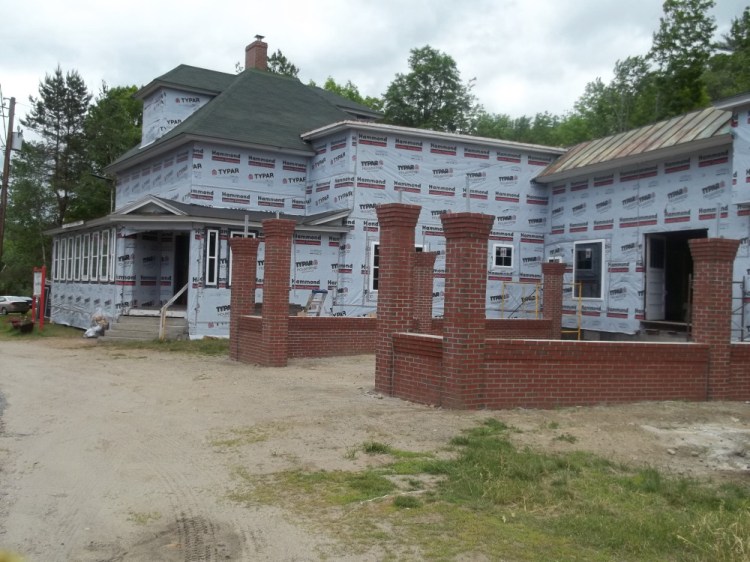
[145, 328]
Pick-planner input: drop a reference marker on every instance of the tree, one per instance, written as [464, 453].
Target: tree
[57, 116]
[351, 92]
[279, 64]
[681, 49]
[112, 126]
[432, 95]
[727, 72]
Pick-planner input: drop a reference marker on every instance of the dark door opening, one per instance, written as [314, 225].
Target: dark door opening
[669, 267]
[181, 265]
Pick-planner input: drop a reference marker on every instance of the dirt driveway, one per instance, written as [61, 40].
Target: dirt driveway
[108, 454]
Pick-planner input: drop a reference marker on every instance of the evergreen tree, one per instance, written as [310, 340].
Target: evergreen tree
[57, 116]
[279, 64]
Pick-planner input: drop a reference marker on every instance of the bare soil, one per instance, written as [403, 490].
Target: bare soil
[112, 454]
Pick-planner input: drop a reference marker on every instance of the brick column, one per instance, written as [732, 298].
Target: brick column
[242, 300]
[424, 265]
[553, 297]
[278, 260]
[396, 255]
[467, 236]
[713, 261]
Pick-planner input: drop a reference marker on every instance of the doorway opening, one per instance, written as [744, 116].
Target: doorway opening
[669, 267]
[181, 265]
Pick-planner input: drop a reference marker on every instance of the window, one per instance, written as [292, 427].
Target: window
[503, 255]
[588, 269]
[375, 264]
[112, 254]
[212, 258]
[71, 259]
[55, 259]
[235, 234]
[94, 256]
[62, 250]
[104, 257]
[85, 255]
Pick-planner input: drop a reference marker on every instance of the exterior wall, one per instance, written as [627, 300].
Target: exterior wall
[361, 170]
[83, 283]
[168, 177]
[507, 328]
[165, 109]
[739, 382]
[690, 192]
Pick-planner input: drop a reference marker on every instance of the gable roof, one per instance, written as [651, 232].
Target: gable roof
[253, 109]
[693, 131]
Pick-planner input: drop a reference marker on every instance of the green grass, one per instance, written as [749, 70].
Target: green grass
[49, 330]
[488, 498]
[205, 346]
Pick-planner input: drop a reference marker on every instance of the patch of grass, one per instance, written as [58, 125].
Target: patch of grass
[240, 436]
[49, 331]
[144, 518]
[376, 448]
[406, 502]
[494, 500]
[205, 346]
[567, 437]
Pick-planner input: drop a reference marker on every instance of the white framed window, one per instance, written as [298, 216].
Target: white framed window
[55, 258]
[71, 259]
[112, 254]
[235, 234]
[94, 256]
[502, 255]
[588, 269]
[104, 256]
[62, 249]
[85, 256]
[79, 252]
[375, 264]
[211, 278]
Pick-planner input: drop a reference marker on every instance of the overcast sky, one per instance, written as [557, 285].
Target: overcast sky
[527, 56]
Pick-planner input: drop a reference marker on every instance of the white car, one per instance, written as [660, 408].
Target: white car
[10, 304]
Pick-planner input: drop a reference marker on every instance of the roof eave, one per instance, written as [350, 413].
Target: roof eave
[733, 102]
[637, 159]
[152, 151]
[154, 85]
[427, 133]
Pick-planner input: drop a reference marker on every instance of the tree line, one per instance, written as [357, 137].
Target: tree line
[59, 178]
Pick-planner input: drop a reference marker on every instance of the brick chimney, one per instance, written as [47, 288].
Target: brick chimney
[256, 54]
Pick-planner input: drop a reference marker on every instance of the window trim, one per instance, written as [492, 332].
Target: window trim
[371, 263]
[71, 258]
[112, 254]
[211, 265]
[602, 244]
[85, 255]
[105, 246]
[94, 256]
[495, 247]
[55, 258]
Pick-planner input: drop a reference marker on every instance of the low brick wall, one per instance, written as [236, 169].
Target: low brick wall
[740, 372]
[418, 368]
[516, 328]
[312, 336]
[548, 373]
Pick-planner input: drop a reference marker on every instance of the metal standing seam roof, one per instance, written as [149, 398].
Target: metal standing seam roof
[704, 125]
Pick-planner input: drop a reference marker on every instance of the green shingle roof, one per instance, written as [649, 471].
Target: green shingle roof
[253, 108]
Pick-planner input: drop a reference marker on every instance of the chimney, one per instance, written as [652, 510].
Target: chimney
[256, 54]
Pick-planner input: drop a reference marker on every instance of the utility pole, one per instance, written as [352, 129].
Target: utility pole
[6, 175]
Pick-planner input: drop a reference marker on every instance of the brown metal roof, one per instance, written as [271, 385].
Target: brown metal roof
[640, 144]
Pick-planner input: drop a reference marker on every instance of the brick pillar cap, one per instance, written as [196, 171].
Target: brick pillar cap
[553, 268]
[467, 225]
[714, 249]
[398, 214]
[278, 227]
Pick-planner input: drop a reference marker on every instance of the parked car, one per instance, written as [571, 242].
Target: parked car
[14, 304]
